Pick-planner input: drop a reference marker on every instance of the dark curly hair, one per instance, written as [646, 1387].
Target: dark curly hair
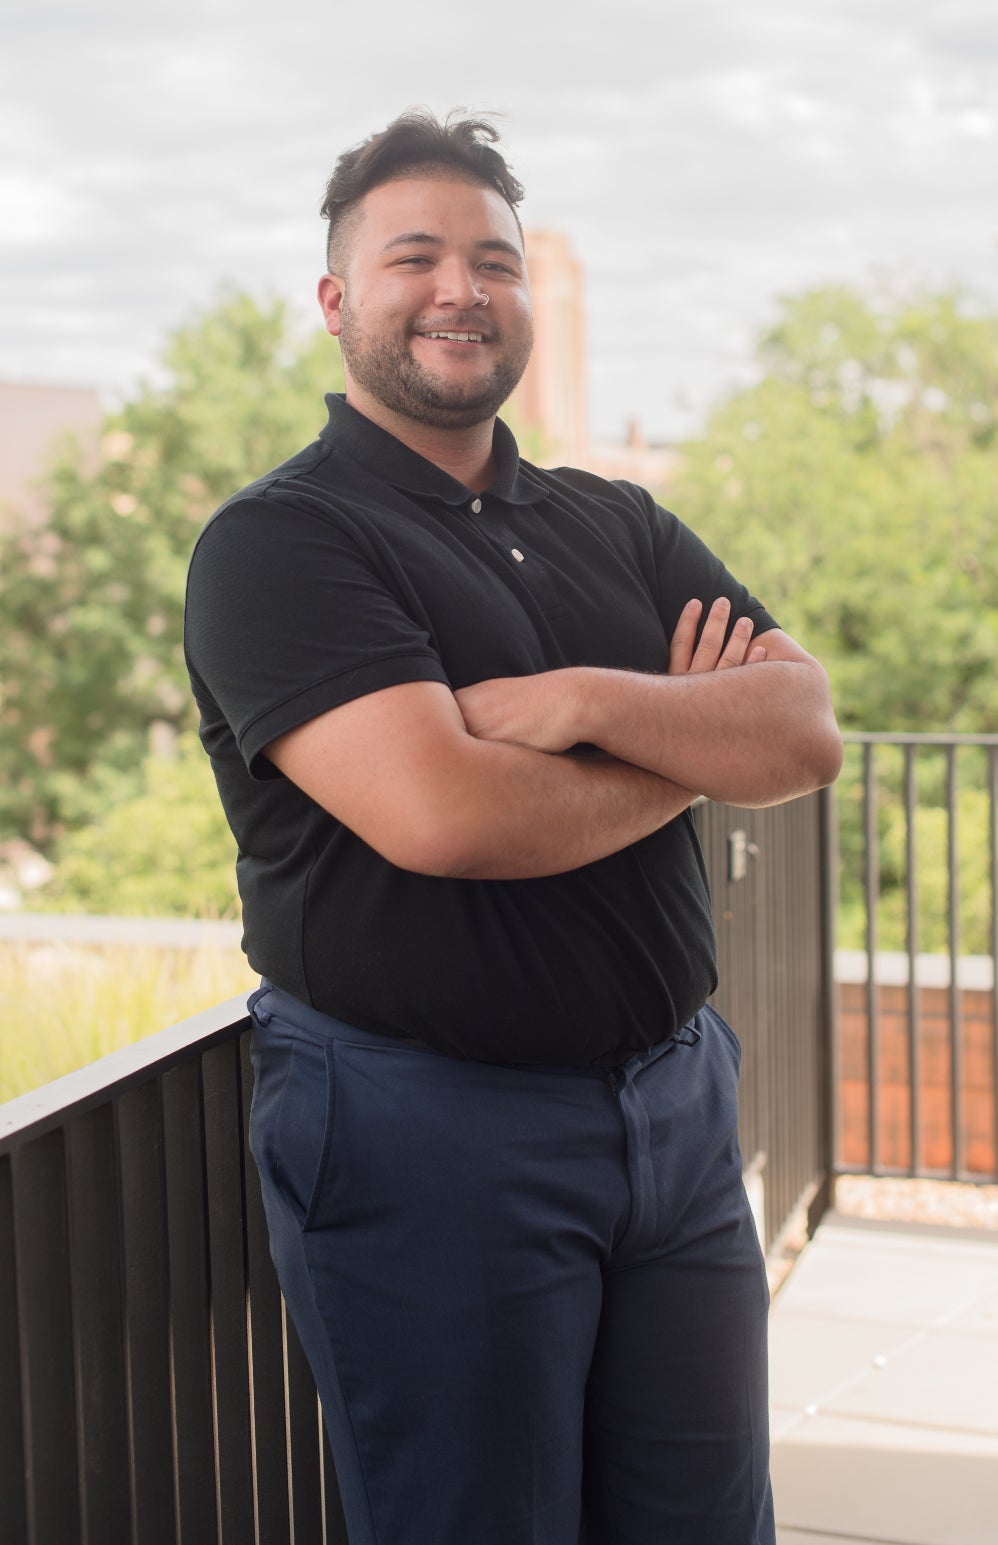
[416, 141]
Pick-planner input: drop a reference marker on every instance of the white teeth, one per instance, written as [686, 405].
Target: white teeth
[457, 337]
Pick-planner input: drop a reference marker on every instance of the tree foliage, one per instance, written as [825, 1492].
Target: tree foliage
[90, 654]
[166, 852]
[855, 487]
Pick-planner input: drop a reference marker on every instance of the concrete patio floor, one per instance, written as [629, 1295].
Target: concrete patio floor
[884, 1387]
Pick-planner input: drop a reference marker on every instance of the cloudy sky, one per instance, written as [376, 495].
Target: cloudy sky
[704, 156]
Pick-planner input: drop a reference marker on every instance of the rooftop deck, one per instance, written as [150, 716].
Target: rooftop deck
[884, 1387]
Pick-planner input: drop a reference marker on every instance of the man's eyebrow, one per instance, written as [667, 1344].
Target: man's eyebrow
[497, 244]
[425, 239]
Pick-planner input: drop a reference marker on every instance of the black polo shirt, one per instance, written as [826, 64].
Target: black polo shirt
[358, 565]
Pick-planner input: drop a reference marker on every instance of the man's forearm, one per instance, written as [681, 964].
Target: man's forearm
[399, 768]
[755, 736]
[517, 814]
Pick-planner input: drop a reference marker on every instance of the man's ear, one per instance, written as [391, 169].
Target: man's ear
[331, 301]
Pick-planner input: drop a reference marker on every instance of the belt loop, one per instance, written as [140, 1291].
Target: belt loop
[261, 1015]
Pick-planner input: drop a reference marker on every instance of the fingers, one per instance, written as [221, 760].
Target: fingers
[686, 656]
[738, 644]
[684, 638]
[708, 656]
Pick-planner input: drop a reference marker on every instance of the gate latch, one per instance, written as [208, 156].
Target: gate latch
[740, 850]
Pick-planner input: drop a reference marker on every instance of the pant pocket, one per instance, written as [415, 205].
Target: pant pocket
[291, 1123]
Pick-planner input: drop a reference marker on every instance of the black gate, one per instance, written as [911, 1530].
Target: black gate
[771, 878]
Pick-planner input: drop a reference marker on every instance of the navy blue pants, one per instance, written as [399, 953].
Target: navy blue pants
[533, 1299]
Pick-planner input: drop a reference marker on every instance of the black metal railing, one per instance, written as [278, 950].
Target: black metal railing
[152, 1389]
[917, 1050]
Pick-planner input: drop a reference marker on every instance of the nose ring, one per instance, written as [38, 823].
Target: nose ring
[483, 299]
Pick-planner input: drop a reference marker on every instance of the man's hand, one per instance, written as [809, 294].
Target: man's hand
[399, 768]
[753, 737]
[543, 711]
[711, 654]
[461, 785]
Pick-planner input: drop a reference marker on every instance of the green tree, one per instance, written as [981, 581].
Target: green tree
[854, 486]
[90, 654]
[166, 852]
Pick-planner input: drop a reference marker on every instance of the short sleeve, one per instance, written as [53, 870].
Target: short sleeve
[686, 568]
[289, 615]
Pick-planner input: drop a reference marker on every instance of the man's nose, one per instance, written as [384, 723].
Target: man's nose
[457, 285]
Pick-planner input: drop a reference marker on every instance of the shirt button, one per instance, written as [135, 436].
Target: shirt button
[517, 554]
[476, 506]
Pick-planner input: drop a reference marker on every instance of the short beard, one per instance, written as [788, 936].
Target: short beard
[388, 371]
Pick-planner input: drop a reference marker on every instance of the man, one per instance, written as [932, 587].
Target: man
[458, 708]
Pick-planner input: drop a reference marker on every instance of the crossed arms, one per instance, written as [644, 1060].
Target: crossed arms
[474, 785]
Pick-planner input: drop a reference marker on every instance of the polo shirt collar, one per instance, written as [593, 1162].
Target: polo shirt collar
[380, 452]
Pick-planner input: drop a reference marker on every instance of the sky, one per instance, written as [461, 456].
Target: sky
[705, 158]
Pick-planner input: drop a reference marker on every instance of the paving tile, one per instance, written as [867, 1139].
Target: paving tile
[849, 1481]
[900, 1277]
[944, 1379]
[811, 1356]
[885, 1390]
[825, 1430]
[794, 1537]
[782, 1419]
[980, 1319]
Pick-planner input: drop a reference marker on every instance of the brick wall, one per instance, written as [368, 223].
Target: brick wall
[978, 1079]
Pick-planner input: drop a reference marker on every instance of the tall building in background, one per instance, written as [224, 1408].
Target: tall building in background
[551, 401]
[550, 407]
[33, 421]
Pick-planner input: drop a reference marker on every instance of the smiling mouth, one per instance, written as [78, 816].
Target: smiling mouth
[456, 337]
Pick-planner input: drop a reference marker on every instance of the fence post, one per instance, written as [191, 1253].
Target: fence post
[828, 1062]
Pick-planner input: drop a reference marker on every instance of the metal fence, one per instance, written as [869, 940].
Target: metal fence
[917, 1046]
[152, 1389]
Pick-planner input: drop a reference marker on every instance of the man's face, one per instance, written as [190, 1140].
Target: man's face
[421, 257]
